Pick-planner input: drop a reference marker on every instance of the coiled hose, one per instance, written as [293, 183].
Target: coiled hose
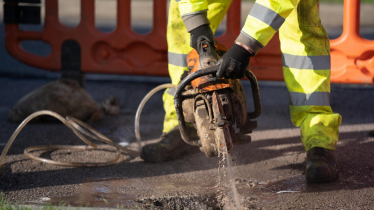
[82, 130]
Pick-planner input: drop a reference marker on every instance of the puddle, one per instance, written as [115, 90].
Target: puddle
[274, 192]
[130, 194]
[290, 185]
[133, 193]
[99, 193]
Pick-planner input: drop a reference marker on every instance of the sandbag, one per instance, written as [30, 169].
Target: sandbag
[62, 96]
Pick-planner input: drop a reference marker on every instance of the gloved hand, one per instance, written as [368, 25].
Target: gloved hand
[200, 31]
[233, 63]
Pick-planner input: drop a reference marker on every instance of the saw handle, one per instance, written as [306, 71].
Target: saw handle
[255, 94]
[211, 70]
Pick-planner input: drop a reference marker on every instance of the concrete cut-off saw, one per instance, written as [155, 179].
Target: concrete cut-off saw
[216, 107]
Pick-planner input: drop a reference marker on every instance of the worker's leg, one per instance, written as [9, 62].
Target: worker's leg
[179, 46]
[306, 69]
[171, 145]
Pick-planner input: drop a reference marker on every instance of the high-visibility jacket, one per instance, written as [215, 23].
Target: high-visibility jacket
[305, 55]
[264, 20]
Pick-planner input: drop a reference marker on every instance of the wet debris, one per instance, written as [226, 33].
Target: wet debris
[205, 201]
[246, 182]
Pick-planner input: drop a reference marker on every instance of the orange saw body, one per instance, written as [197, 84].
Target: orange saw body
[216, 107]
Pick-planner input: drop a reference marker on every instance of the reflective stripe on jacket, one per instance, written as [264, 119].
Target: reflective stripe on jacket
[263, 21]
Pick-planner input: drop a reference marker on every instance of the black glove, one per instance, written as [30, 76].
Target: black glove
[200, 31]
[233, 63]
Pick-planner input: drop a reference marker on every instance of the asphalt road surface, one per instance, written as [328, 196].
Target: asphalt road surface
[271, 166]
[268, 172]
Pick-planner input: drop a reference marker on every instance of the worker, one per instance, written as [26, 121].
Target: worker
[306, 70]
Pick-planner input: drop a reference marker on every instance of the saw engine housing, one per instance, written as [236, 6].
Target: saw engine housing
[216, 107]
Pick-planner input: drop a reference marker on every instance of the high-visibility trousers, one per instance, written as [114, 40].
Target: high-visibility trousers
[306, 69]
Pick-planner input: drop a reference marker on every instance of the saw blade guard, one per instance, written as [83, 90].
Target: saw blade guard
[216, 107]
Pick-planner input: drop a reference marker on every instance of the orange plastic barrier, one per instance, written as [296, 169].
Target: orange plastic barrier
[352, 57]
[125, 52]
[119, 52]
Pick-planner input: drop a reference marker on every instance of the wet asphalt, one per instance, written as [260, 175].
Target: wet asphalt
[274, 158]
[268, 172]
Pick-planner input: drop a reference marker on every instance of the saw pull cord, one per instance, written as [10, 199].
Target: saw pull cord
[81, 130]
[207, 105]
[178, 102]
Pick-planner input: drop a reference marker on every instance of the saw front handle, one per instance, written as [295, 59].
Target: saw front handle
[203, 72]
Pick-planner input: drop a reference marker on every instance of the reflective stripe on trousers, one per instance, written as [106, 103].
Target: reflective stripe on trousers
[306, 69]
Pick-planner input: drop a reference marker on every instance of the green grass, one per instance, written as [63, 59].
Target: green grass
[5, 204]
